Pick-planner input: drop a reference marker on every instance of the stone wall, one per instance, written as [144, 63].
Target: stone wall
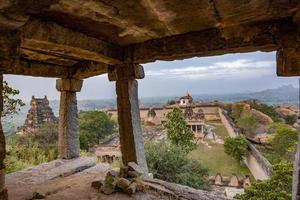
[263, 162]
[259, 166]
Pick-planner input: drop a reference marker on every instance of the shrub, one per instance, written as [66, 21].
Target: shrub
[248, 123]
[170, 163]
[279, 186]
[178, 132]
[284, 142]
[235, 147]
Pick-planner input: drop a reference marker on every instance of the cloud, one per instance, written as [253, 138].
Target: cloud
[237, 69]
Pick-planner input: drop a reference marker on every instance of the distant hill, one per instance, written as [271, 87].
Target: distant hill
[280, 95]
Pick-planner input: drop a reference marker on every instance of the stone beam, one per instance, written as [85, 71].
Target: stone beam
[208, 42]
[50, 38]
[68, 130]
[80, 70]
[88, 69]
[33, 68]
[131, 138]
[288, 62]
[125, 72]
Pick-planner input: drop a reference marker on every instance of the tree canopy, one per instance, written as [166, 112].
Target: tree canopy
[236, 147]
[94, 127]
[178, 132]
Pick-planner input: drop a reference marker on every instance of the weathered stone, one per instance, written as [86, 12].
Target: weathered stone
[123, 172]
[3, 194]
[288, 62]
[38, 195]
[70, 85]
[97, 184]
[133, 174]
[125, 72]
[133, 166]
[51, 38]
[123, 184]
[68, 130]
[130, 130]
[233, 181]
[132, 188]
[107, 189]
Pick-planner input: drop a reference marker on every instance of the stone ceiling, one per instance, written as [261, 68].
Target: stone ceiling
[80, 38]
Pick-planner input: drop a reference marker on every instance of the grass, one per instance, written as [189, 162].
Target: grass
[215, 159]
[220, 129]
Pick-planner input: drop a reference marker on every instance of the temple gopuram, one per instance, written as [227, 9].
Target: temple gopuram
[39, 113]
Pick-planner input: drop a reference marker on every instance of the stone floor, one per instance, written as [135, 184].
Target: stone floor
[71, 180]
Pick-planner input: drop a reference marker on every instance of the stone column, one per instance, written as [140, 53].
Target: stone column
[68, 130]
[3, 190]
[131, 138]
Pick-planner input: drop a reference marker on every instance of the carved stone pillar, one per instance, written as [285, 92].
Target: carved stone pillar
[131, 138]
[68, 130]
[3, 191]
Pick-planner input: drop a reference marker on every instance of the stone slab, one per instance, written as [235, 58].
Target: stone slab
[51, 170]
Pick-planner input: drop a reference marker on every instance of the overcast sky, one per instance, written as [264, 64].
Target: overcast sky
[230, 73]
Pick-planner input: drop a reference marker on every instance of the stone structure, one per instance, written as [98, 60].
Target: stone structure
[79, 39]
[186, 100]
[68, 129]
[39, 113]
[230, 181]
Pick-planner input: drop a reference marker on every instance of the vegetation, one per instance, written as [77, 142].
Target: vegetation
[248, 123]
[284, 142]
[170, 163]
[41, 145]
[279, 186]
[178, 132]
[290, 119]
[10, 104]
[266, 109]
[236, 110]
[235, 147]
[217, 161]
[94, 127]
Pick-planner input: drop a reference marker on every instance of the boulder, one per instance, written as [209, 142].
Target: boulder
[134, 167]
[38, 195]
[123, 184]
[97, 184]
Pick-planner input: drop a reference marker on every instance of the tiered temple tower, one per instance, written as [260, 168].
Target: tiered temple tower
[40, 112]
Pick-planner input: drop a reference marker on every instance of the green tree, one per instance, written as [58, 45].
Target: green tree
[170, 163]
[178, 132]
[284, 142]
[94, 127]
[248, 123]
[236, 147]
[10, 104]
[278, 187]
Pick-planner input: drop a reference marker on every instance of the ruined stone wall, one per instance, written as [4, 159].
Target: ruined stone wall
[259, 166]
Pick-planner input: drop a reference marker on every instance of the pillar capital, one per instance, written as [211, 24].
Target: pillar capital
[125, 71]
[69, 85]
